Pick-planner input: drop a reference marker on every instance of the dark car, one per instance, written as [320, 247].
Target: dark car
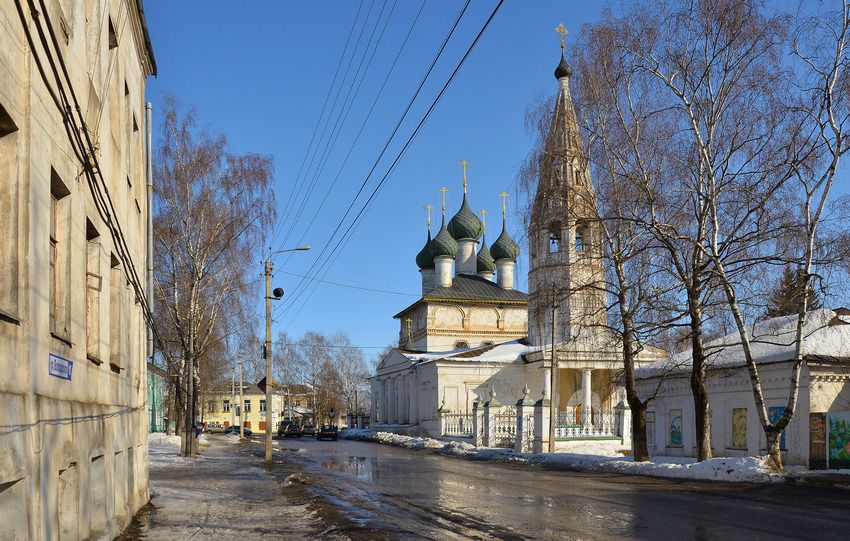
[327, 432]
[281, 428]
[309, 430]
[235, 430]
[292, 431]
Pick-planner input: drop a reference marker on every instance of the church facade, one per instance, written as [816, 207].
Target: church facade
[473, 339]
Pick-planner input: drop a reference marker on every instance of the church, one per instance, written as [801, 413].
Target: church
[472, 338]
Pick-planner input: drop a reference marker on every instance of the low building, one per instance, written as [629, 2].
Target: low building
[819, 433]
[221, 407]
[73, 207]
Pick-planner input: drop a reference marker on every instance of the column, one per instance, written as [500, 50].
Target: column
[385, 398]
[373, 402]
[547, 384]
[414, 401]
[586, 397]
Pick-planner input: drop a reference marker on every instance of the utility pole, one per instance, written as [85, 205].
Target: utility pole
[233, 397]
[553, 379]
[268, 355]
[278, 293]
[241, 404]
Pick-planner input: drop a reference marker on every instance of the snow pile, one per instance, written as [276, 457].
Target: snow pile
[589, 456]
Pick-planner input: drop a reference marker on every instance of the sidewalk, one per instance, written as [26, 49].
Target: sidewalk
[225, 494]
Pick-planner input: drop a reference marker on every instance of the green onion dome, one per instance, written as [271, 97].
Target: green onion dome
[424, 259]
[443, 243]
[465, 224]
[504, 247]
[484, 261]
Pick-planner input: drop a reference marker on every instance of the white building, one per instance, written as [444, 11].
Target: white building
[73, 450]
[823, 403]
[469, 339]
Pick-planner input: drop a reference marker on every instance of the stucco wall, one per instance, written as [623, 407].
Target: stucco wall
[74, 463]
[728, 390]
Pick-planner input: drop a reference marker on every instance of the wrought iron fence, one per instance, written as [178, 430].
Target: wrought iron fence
[601, 424]
[457, 424]
[503, 427]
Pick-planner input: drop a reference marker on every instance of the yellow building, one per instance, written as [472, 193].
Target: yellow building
[221, 407]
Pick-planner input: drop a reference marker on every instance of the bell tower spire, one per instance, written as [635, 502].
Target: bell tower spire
[564, 241]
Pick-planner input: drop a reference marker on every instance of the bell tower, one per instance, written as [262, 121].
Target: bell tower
[565, 250]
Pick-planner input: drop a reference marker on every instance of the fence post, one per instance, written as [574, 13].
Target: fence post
[624, 418]
[476, 425]
[541, 426]
[491, 409]
[524, 423]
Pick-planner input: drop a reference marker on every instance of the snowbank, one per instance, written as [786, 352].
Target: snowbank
[588, 456]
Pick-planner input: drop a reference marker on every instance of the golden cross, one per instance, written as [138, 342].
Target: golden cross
[504, 196]
[484, 214]
[428, 208]
[563, 31]
[464, 164]
[443, 191]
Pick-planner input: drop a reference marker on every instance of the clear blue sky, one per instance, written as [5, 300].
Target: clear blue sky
[259, 73]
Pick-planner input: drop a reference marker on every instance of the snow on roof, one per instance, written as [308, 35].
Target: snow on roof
[506, 352]
[826, 334]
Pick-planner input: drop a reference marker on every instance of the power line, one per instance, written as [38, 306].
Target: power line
[362, 127]
[350, 286]
[279, 225]
[341, 120]
[384, 149]
[410, 139]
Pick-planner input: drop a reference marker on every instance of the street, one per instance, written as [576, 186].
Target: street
[402, 494]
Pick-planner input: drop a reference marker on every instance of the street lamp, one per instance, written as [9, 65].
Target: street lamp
[270, 295]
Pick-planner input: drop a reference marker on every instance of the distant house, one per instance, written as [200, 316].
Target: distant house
[221, 406]
[819, 433]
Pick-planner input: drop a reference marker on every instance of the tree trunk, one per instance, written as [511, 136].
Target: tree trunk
[702, 408]
[640, 450]
[774, 452]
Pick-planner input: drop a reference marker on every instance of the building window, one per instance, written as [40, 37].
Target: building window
[554, 243]
[580, 238]
[226, 406]
[262, 406]
[9, 186]
[739, 428]
[675, 436]
[94, 282]
[211, 406]
[116, 312]
[462, 344]
[60, 269]
[113, 36]
[247, 406]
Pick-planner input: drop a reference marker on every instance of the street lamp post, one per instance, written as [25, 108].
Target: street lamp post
[278, 293]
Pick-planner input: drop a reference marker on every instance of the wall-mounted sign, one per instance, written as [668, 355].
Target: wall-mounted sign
[59, 367]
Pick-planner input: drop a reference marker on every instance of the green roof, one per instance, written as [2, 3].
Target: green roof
[424, 259]
[443, 243]
[465, 224]
[472, 289]
[504, 247]
[484, 261]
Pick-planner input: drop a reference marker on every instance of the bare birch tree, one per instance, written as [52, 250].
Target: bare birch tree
[211, 208]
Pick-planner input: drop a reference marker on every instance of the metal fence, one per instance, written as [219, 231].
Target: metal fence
[457, 424]
[602, 424]
[503, 428]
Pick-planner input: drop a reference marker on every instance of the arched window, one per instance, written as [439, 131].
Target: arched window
[554, 237]
[580, 233]
[461, 344]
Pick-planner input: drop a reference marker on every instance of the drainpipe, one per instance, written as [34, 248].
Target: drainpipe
[149, 175]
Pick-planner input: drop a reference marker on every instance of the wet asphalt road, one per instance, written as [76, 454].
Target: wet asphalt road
[391, 493]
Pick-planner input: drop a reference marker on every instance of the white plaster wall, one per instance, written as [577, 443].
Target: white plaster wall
[465, 262]
[102, 412]
[730, 389]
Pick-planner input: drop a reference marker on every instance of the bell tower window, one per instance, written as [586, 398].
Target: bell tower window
[554, 238]
[580, 239]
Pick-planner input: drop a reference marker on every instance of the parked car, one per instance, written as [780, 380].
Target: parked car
[327, 432]
[292, 431]
[235, 430]
[309, 430]
[281, 428]
[214, 428]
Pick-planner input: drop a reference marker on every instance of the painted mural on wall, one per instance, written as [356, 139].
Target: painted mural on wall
[774, 413]
[675, 428]
[839, 439]
[739, 428]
